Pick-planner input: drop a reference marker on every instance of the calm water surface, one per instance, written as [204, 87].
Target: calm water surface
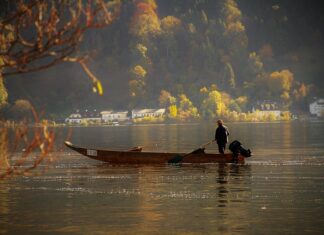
[280, 190]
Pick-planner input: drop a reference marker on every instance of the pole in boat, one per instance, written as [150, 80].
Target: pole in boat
[179, 158]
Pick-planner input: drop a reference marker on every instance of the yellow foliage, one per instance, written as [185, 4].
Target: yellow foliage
[256, 116]
[286, 116]
[145, 24]
[170, 23]
[213, 105]
[142, 49]
[231, 10]
[242, 100]
[233, 17]
[281, 81]
[3, 92]
[173, 111]
[97, 87]
[203, 90]
[149, 120]
[139, 71]
[255, 62]
[235, 27]
[285, 96]
[186, 109]
[213, 87]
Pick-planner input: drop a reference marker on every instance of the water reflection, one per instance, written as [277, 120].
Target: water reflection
[4, 206]
[4, 161]
[233, 183]
[274, 189]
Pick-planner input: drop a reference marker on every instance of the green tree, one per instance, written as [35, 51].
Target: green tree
[233, 106]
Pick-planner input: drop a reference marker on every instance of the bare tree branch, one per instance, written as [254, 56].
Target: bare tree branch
[38, 34]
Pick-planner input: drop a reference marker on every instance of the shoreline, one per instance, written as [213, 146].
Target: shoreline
[54, 124]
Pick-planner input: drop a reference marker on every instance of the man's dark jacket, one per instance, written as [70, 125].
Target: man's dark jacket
[221, 135]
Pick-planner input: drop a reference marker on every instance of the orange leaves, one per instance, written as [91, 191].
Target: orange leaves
[145, 20]
[144, 8]
[139, 71]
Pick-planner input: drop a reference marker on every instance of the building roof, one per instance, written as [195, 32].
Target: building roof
[90, 114]
[113, 112]
[143, 111]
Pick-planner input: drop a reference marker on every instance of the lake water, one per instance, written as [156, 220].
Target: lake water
[280, 190]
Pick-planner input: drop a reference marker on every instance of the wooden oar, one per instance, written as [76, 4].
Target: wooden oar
[179, 158]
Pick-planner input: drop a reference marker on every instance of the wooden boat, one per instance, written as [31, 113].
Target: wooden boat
[136, 156]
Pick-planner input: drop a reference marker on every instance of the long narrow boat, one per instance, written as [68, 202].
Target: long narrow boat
[136, 156]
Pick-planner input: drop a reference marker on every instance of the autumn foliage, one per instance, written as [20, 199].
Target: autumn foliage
[145, 20]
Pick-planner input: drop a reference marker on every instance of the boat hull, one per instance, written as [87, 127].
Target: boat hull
[138, 157]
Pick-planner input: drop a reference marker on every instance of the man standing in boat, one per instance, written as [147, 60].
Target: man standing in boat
[221, 136]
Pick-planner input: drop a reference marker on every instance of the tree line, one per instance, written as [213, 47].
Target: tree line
[193, 57]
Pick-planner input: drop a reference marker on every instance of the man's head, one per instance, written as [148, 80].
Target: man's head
[219, 122]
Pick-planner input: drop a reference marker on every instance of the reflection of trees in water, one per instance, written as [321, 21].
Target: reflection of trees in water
[36, 143]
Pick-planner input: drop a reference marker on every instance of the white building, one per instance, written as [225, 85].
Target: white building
[317, 108]
[91, 116]
[74, 118]
[267, 107]
[109, 115]
[140, 113]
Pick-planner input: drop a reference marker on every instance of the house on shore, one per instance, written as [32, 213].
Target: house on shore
[74, 118]
[267, 107]
[110, 115]
[91, 116]
[316, 108]
[141, 113]
[85, 116]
